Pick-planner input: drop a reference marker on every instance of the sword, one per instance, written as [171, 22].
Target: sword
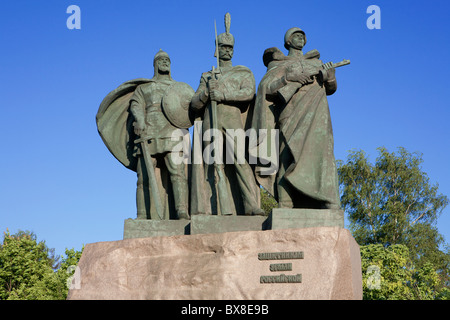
[151, 176]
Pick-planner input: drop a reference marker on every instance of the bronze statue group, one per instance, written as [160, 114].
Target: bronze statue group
[137, 120]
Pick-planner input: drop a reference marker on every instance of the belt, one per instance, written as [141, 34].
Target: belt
[156, 107]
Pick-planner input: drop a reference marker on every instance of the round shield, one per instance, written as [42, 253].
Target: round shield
[175, 104]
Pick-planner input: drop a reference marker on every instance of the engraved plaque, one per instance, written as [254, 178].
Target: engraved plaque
[281, 267]
[274, 267]
[280, 255]
[282, 278]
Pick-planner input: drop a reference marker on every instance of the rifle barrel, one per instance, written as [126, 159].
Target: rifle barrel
[341, 63]
[217, 44]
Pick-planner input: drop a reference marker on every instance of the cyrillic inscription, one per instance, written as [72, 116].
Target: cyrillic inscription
[282, 278]
[280, 255]
[281, 267]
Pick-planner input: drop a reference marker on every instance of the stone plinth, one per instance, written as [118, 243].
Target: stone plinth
[136, 228]
[282, 218]
[224, 266]
[279, 218]
[217, 224]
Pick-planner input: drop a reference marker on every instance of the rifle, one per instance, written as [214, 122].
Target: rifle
[222, 188]
[287, 91]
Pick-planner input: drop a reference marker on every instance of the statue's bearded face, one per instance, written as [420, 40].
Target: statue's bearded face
[225, 52]
[297, 40]
[163, 65]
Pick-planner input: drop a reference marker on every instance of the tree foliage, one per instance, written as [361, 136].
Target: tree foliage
[392, 202]
[268, 202]
[389, 273]
[30, 270]
[387, 200]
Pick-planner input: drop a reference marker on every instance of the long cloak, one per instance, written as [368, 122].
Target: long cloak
[305, 126]
[115, 126]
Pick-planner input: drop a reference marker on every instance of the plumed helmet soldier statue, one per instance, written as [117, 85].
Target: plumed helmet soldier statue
[222, 102]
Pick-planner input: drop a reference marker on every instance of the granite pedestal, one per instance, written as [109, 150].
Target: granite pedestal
[310, 263]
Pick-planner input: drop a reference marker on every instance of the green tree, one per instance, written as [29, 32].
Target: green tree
[393, 202]
[30, 270]
[23, 262]
[390, 274]
[53, 285]
[268, 202]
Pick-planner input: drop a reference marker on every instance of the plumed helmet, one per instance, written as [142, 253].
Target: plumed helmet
[289, 33]
[226, 38]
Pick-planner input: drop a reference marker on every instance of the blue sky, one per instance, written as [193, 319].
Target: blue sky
[58, 179]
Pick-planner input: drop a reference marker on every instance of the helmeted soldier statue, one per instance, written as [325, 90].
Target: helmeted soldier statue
[292, 97]
[139, 122]
[230, 90]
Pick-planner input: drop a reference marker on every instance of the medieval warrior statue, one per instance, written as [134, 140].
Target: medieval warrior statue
[140, 122]
[223, 100]
[292, 98]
